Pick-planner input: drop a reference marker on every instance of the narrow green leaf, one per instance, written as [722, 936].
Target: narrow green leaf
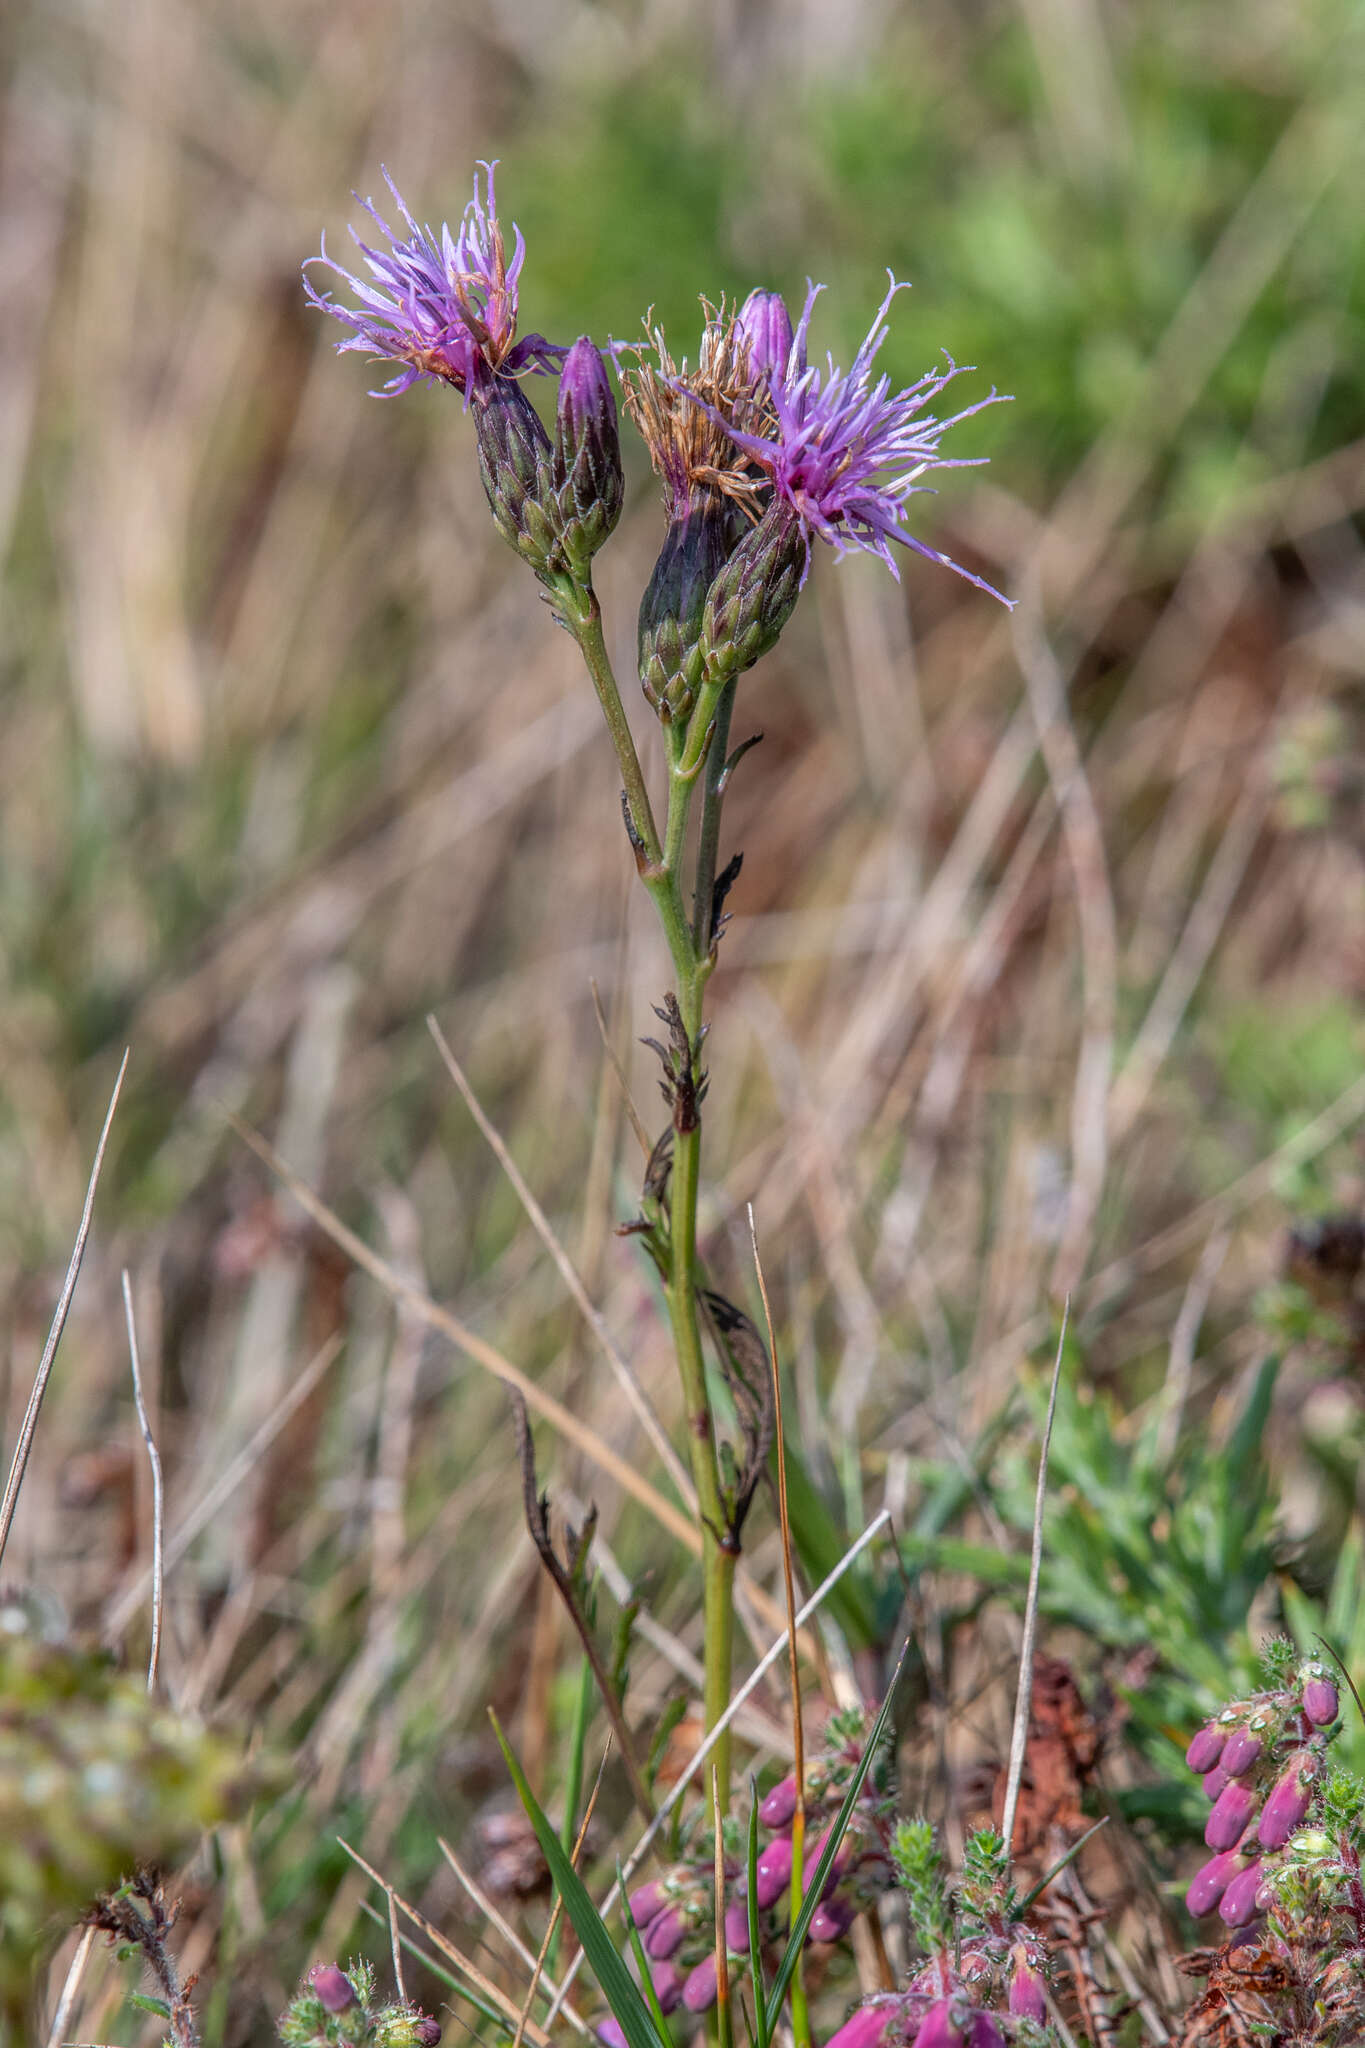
[619, 1988]
[787, 1967]
[755, 1940]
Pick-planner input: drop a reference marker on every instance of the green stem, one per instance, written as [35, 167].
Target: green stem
[708, 843]
[585, 616]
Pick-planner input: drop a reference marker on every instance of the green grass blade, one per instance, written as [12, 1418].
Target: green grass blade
[755, 1940]
[619, 1988]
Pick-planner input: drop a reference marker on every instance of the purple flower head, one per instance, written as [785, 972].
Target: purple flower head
[845, 452]
[687, 418]
[443, 307]
[332, 1988]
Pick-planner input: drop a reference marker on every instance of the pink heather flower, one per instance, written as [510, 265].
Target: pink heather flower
[865, 2025]
[668, 1987]
[984, 2032]
[1320, 1700]
[646, 1902]
[844, 453]
[1238, 1903]
[665, 1934]
[1209, 1883]
[832, 1920]
[332, 1988]
[611, 2032]
[1232, 1812]
[1289, 1802]
[443, 307]
[1027, 1992]
[774, 1873]
[699, 1988]
[1206, 1748]
[1240, 1752]
[1214, 1781]
[737, 1927]
[945, 2024]
[779, 1805]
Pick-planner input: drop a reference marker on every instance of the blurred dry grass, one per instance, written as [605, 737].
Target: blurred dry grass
[289, 758]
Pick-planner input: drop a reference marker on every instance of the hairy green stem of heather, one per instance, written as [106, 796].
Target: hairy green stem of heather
[708, 843]
[659, 871]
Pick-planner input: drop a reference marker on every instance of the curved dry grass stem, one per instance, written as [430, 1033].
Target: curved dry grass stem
[591, 1314]
[158, 1492]
[1024, 1699]
[29, 1426]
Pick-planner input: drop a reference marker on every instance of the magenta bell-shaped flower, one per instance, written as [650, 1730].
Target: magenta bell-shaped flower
[668, 1986]
[737, 1927]
[665, 1933]
[945, 2024]
[1209, 1883]
[1321, 1702]
[647, 1901]
[1238, 1904]
[774, 1873]
[984, 2032]
[779, 1805]
[1241, 1750]
[1213, 1782]
[1027, 1992]
[1206, 1748]
[332, 1988]
[832, 1919]
[865, 2025]
[699, 1987]
[1289, 1802]
[1231, 1816]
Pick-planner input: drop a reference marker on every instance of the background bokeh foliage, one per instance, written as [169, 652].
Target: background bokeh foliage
[289, 755]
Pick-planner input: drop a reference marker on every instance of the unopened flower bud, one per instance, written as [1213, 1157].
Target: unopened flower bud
[611, 2033]
[1209, 1883]
[755, 593]
[646, 1903]
[1320, 1699]
[737, 1927]
[695, 550]
[1238, 1903]
[779, 1805]
[665, 1934]
[1232, 1812]
[843, 1856]
[832, 1919]
[514, 463]
[765, 326]
[774, 1872]
[332, 1988]
[1206, 1748]
[1240, 1752]
[1289, 1801]
[586, 469]
[1214, 1781]
[427, 2032]
[699, 1988]
[668, 1986]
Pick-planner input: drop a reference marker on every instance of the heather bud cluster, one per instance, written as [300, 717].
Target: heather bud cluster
[1261, 1761]
[337, 2008]
[982, 1980]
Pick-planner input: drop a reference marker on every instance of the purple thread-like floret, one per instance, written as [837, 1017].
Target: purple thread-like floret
[440, 306]
[846, 452]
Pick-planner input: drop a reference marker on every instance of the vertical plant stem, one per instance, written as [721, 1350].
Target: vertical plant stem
[587, 630]
[708, 842]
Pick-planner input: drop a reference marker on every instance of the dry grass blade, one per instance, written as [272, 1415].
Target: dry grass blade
[446, 1948]
[504, 1927]
[591, 1314]
[28, 1427]
[71, 1988]
[158, 1495]
[478, 1348]
[1024, 1700]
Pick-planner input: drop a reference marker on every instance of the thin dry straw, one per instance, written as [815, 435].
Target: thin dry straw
[591, 1314]
[28, 1428]
[158, 1494]
[509, 1933]
[759, 1672]
[1024, 1701]
[66, 2004]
